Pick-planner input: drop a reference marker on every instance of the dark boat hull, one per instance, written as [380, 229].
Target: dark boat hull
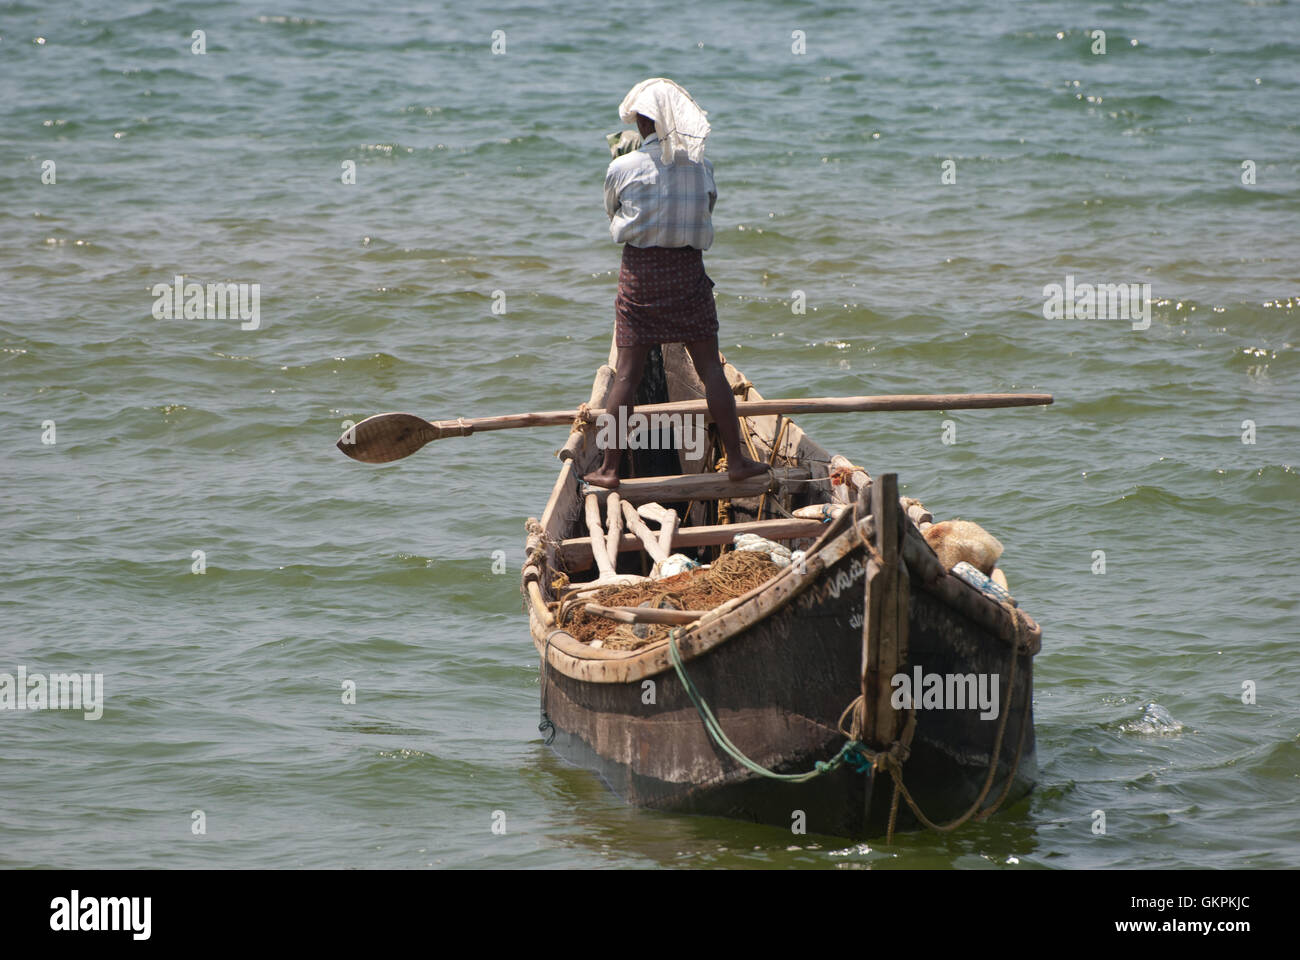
[778, 689]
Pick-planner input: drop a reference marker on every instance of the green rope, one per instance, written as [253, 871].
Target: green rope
[854, 752]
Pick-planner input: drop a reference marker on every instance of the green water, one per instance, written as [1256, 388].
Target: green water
[478, 173]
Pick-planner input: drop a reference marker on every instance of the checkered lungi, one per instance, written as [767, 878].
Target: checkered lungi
[664, 296]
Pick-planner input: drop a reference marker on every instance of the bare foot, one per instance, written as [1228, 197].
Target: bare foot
[602, 478]
[745, 469]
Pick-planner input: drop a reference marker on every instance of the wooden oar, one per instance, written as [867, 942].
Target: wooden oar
[392, 436]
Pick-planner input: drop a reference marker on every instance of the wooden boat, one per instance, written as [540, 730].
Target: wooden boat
[793, 665]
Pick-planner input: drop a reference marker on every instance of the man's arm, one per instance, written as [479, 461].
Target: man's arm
[611, 192]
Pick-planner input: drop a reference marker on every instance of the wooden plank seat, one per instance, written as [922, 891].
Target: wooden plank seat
[699, 486]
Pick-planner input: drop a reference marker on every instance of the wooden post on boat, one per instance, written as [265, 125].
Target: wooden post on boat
[614, 520]
[604, 379]
[884, 615]
[636, 525]
[598, 537]
[667, 530]
[667, 520]
[858, 480]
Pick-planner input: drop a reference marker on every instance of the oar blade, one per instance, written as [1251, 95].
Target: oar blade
[386, 437]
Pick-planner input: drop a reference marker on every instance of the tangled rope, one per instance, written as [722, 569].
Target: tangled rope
[890, 760]
[893, 765]
[583, 418]
[853, 752]
[842, 475]
[724, 506]
[536, 554]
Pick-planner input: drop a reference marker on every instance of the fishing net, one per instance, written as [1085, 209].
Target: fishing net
[732, 574]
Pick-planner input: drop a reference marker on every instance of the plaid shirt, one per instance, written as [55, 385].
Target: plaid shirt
[653, 204]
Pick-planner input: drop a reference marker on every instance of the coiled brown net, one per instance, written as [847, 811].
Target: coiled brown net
[733, 574]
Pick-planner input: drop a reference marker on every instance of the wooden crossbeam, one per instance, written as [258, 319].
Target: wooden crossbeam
[574, 554]
[699, 486]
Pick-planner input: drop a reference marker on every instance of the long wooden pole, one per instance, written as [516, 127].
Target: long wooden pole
[597, 540]
[763, 408]
[391, 436]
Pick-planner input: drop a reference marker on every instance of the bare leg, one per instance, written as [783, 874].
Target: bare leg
[627, 377]
[722, 408]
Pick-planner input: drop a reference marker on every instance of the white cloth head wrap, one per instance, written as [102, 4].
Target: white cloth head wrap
[681, 124]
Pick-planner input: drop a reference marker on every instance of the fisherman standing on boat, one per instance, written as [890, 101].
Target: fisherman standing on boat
[660, 204]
